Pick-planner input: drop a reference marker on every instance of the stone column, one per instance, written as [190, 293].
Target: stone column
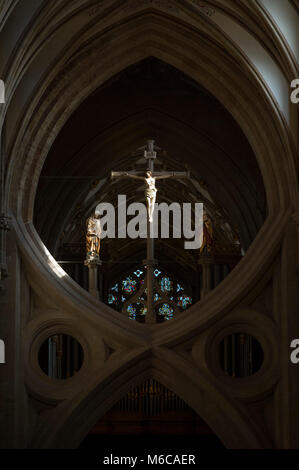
[92, 264]
[101, 282]
[15, 310]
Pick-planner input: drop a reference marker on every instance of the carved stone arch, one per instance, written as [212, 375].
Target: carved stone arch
[257, 118]
[249, 102]
[30, 153]
[70, 423]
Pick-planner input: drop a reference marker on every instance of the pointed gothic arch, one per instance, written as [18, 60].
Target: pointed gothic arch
[152, 33]
[229, 424]
[196, 48]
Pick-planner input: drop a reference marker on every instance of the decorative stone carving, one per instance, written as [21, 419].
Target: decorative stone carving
[205, 9]
[93, 263]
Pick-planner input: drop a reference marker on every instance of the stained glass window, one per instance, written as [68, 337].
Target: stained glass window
[132, 312]
[165, 284]
[136, 308]
[112, 299]
[165, 310]
[184, 301]
[129, 295]
[129, 285]
[138, 273]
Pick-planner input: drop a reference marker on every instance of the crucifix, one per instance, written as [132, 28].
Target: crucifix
[149, 178]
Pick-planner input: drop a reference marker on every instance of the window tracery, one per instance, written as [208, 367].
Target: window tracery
[129, 295]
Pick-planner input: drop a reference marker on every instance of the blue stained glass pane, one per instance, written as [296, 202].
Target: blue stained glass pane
[129, 285]
[123, 299]
[132, 312]
[138, 273]
[166, 284]
[156, 297]
[112, 300]
[166, 309]
[179, 288]
[168, 317]
[157, 272]
[115, 287]
[184, 301]
[131, 309]
[143, 310]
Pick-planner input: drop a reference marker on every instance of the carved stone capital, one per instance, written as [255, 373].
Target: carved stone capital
[4, 222]
[93, 261]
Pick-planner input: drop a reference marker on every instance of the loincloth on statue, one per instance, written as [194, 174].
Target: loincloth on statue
[150, 193]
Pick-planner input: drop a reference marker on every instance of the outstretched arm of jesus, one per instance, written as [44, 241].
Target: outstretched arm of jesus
[172, 175]
[134, 176]
[163, 177]
[117, 174]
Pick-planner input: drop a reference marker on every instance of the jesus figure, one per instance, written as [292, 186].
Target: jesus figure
[150, 189]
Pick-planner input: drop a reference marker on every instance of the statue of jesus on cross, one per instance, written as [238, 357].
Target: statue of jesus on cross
[149, 177]
[150, 189]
